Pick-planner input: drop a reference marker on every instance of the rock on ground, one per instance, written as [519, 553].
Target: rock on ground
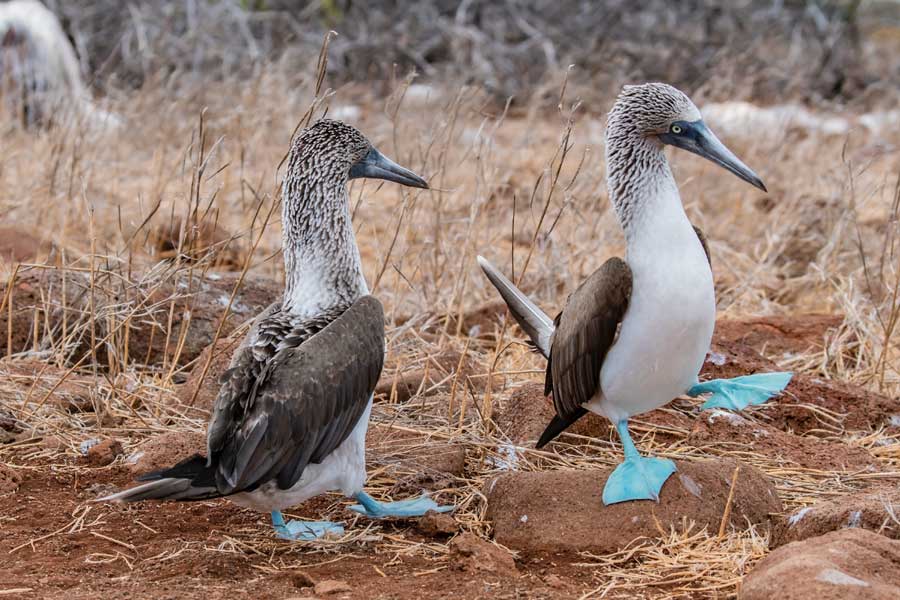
[206, 239]
[724, 430]
[851, 563]
[471, 554]
[875, 510]
[38, 294]
[9, 479]
[434, 524]
[165, 450]
[562, 511]
[780, 337]
[103, 452]
[525, 414]
[19, 246]
[796, 410]
[414, 460]
[438, 375]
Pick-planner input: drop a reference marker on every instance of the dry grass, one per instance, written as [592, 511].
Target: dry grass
[527, 190]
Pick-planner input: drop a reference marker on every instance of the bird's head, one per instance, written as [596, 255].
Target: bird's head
[343, 151]
[664, 114]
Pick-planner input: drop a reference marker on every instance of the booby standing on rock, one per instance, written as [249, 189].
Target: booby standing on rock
[290, 420]
[634, 335]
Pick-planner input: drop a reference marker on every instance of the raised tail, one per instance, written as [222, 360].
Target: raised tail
[190, 479]
[530, 318]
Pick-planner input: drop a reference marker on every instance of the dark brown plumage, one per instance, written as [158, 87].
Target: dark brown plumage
[295, 395]
[585, 331]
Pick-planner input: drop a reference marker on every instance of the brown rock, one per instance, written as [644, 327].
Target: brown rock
[68, 391]
[477, 321]
[204, 240]
[437, 376]
[471, 554]
[103, 452]
[332, 586]
[525, 414]
[200, 389]
[9, 479]
[723, 429]
[851, 563]
[38, 294]
[299, 579]
[872, 510]
[780, 337]
[437, 524]
[414, 459]
[563, 511]
[19, 246]
[851, 408]
[165, 450]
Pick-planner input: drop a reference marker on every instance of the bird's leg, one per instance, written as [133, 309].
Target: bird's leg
[303, 530]
[740, 392]
[638, 477]
[415, 507]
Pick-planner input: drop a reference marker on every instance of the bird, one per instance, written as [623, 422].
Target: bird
[290, 418]
[634, 335]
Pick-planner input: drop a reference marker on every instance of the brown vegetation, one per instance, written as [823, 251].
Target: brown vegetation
[104, 338]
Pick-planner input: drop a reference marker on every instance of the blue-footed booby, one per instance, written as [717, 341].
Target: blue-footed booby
[290, 420]
[634, 335]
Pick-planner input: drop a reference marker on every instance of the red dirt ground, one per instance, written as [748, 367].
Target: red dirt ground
[57, 544]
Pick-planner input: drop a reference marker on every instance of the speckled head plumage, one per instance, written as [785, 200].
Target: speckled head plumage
[331, 152]
[322, 266]
[643, 119]
[327, 149]
[650, 110]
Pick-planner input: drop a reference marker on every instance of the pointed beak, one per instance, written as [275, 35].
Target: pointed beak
[376, 165]
[696, 137]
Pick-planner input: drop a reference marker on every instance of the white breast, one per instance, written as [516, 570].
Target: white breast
[668, 327]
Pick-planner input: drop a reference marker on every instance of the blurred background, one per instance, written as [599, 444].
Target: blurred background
[842, 51]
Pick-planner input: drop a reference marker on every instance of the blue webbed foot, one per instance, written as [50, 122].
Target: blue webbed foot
[415, 507]
[740, 392]
[304, 530]
[638, 477]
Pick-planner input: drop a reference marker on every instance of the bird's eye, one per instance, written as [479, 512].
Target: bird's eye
[676, 129]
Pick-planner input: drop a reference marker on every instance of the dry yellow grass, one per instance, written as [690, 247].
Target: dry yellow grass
[524, 188]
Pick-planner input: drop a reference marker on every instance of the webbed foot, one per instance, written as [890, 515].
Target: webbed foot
[415, 507]
[740, 392]
[304, 530]
[638, 477]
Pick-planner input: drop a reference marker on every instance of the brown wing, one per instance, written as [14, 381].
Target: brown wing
[703, 243]
[586, 329]
[271, 421]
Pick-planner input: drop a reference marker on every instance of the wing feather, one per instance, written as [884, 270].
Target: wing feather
[273, 418]
[586, 330]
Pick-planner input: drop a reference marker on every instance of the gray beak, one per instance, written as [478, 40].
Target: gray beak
[696, 137]
[376, 165]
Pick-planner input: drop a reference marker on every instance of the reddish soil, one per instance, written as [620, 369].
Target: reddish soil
[19, 246]
[724, 430]
[56, 544]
